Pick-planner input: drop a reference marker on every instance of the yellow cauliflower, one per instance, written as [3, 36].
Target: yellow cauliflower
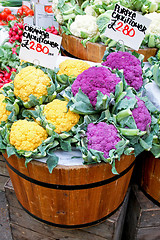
[25, 135]
[31, 80]
[72, 67]
[3, 112]
[56, 113]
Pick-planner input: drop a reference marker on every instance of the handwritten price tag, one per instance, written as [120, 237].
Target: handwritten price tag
[128, 26]
[39, 47]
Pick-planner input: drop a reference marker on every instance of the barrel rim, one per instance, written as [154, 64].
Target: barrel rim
[59, 166]
[146, 51]
[71, 187]
[100, 43]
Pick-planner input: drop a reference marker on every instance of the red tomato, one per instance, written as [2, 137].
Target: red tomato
[28, 12]
[4, 15]
[11, 17]
[7, 10]
[24, 7]
[2, 23]
[20, 12]
[31, 13]
[48, 9]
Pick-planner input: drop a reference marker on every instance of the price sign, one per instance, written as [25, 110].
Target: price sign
[128, 26]
[39, 47]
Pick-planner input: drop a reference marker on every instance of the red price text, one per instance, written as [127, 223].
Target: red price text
[125, 29]
[38, 47]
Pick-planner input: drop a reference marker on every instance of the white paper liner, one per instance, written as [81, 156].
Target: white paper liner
[66, 158]
[153, 93]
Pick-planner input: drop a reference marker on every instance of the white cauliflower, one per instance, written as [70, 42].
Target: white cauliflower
[57, 12]
[154, 27]
[90, 11]
[157, 1]
[86, 24]
[100, 2]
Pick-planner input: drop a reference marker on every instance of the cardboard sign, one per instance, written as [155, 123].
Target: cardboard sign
[29, 20]
[127, 26]
[40, 47]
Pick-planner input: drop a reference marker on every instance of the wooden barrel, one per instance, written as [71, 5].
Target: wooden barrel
[72, 196]
[150, 179]
[93, 51]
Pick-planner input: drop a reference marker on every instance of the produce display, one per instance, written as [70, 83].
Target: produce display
[4, 113]
[95, 79]
[9, 62]
[34, 135]
[88, 19]
[95, 112]
[131, 66]
[6, 16]
[70, 67]
[79, 106]
[9, 50]
[25, 11]
[16, 32]
[48, 9]
[52, 29]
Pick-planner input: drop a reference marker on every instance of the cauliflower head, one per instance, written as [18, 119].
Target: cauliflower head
[26, 135]
[72, 67]
[102, 137]
[100, 2]
[86, 24]
[131, 67]
[90, 11]
[57, 114]
[141, 115]
[4, 113]
[57, 12]
[94, 79]
[154, 27]
[30, 80]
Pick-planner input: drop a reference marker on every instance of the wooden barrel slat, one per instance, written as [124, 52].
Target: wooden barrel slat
[150, 180]
[73, 206]
[93, 51]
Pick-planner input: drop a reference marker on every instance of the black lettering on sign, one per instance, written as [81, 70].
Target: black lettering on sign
[25, 44]
[39, 35]
[126, 16]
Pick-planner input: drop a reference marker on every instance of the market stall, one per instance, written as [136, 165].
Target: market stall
[72, 126]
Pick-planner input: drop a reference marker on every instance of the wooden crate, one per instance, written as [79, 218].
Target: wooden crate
[25, 227]
[142, 218]
[4, 176]
[93, 51]
[5, 232]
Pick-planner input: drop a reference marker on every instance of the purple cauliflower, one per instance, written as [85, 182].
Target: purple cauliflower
[141, 115]
[93, 79]
[131, 67]
[102, 137]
